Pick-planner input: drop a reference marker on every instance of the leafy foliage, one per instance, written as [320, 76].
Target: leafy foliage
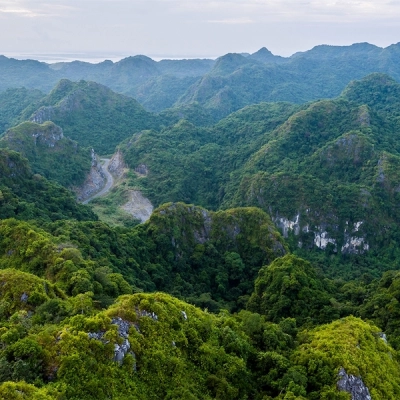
[91, 114]
[192, 164]
[289, 287]
[13, 102]
[355, 346]
[49, 153]
[28, 196]
[325, 172]
[208, 258]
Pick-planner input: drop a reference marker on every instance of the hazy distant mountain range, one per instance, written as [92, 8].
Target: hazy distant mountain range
[223, 85]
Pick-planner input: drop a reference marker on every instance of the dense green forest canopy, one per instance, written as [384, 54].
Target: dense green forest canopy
[28, 196]
[330, 165]
[50, 154]
[269, 267]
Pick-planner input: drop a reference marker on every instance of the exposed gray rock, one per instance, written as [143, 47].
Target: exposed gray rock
[138, 206]
[42, 136]
[203, 234]
[184, 315]
[120, 350]
[123, 327]
[142, 169]
[383, 337]
[354, 240]
[96, 335]
[94, 182]
[144, 313]
[49, 137]
[117, 165]
[287, 225]
[381, 174]
[43, 114]
[322, 239]
[24, 297]
[354, 244]
[353, 385]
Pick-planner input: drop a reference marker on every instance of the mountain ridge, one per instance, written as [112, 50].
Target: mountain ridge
[321, 72]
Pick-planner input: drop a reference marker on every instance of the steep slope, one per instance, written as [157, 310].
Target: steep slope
[227, 84]
[226, 88]
[161, 92]
[322, 72]
[265, 56]
[347, 351]
[209, 258]
[188, 163]
[91, 114]
[13, 102]
[26, 196]
[325, 171]
[50, 154]
[25, 73]
[148, 346]
[329, 173]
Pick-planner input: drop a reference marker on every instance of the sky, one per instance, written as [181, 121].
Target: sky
[112, 29]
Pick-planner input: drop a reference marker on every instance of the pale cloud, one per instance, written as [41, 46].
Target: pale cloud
[193, 27]
[32, 9]
[292, 8]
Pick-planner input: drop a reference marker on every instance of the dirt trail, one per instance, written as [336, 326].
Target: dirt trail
[109, 183]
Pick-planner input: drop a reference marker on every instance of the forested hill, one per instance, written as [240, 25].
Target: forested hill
[222, 86]
[64, 336]
[91, 114]
[28, 196]
[325, 171]
[50, 153]
[88, 112]
[268, 269]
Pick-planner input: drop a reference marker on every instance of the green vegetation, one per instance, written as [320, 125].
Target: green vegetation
[202, 303]
[91, 114]
[28, 196]
[333, 164]
[50, 154]
[353, 345]
[13, 102]
[289, 287]
[192, 164]
[64, 348]
[222, 86]
[210, 259]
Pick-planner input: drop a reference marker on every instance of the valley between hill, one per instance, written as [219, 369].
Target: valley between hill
[268, 268]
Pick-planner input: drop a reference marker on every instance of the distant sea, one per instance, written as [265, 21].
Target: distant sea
[93, 58]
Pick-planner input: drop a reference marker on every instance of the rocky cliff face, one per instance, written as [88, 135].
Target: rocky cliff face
[350, 240]
[71, 102]
[48, 138]
[45, 135]
[42, 115]
[353, 385]
[94, 182]
[117, 165]
[49, 152]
